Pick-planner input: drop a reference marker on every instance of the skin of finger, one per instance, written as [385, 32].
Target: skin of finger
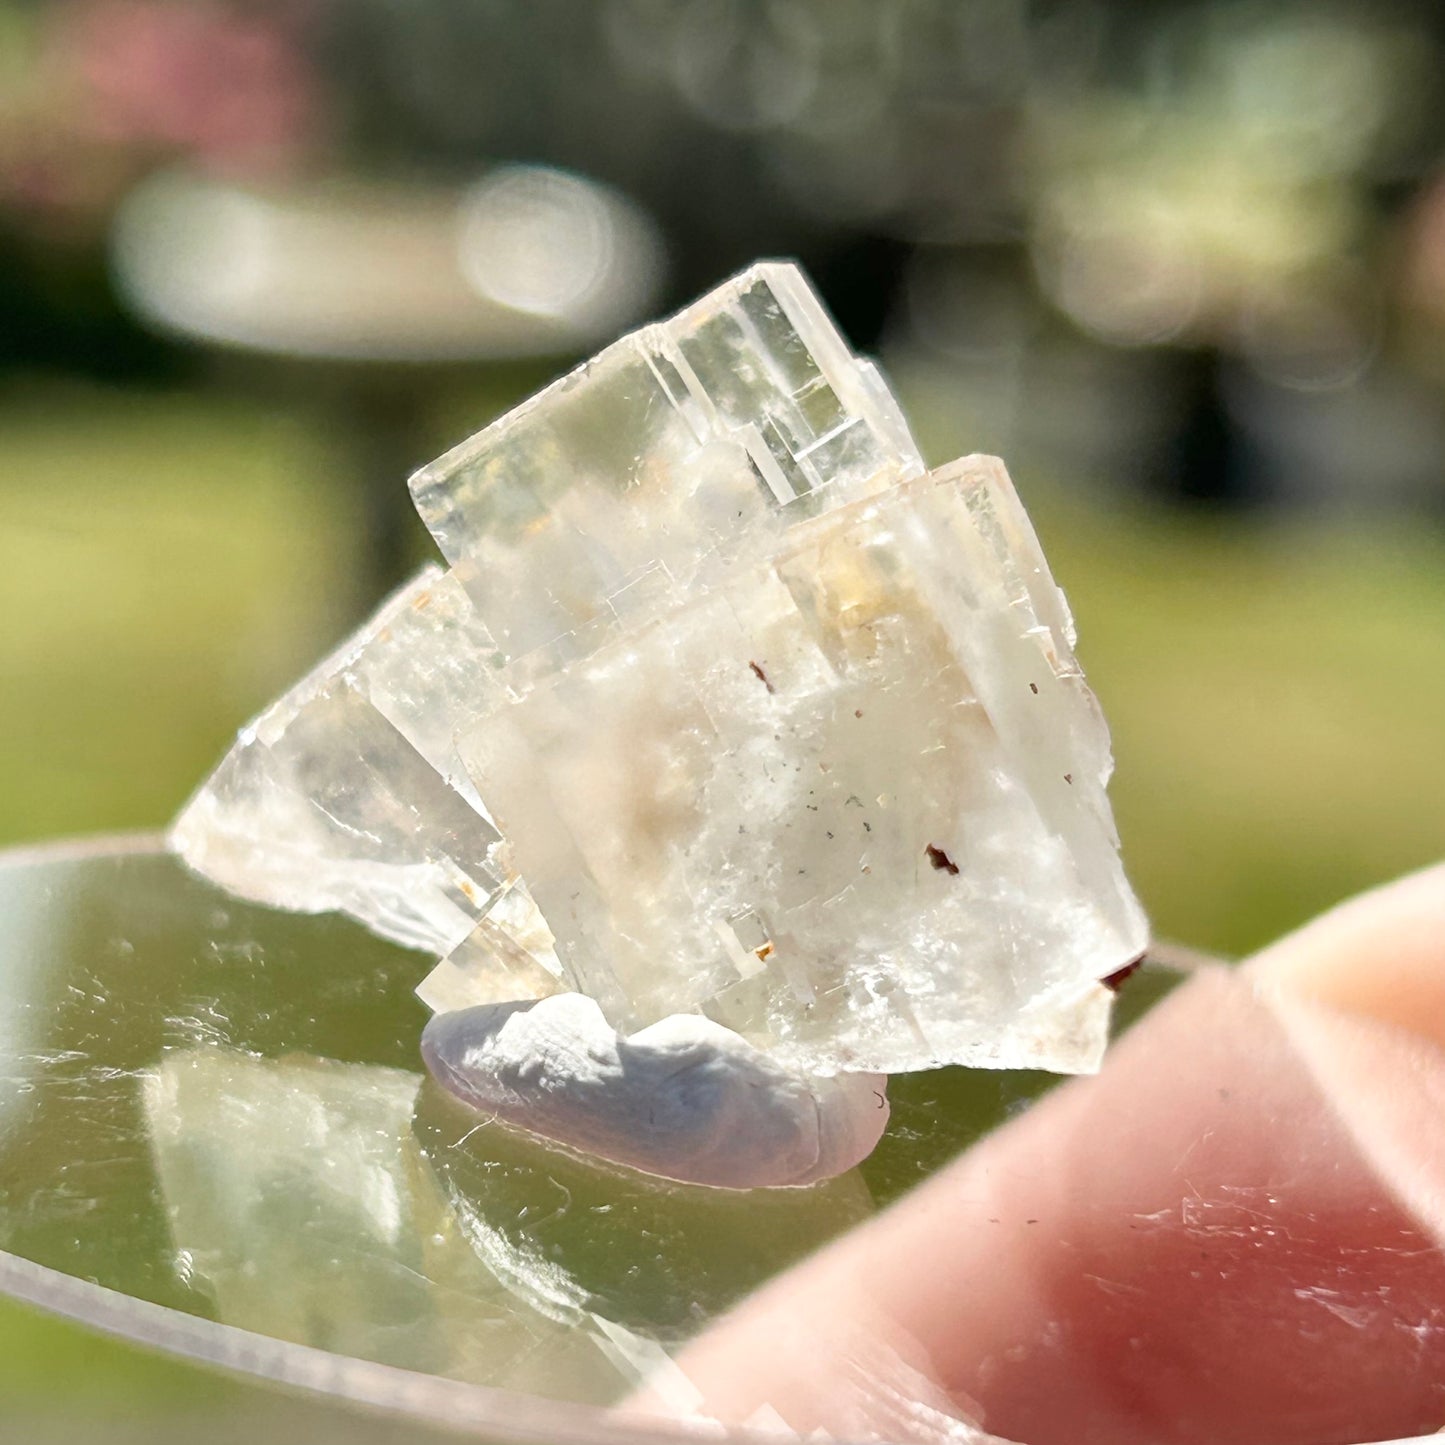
[1381, 955]
[1207, 1242]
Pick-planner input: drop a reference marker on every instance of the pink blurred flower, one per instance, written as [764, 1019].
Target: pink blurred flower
[219, 84]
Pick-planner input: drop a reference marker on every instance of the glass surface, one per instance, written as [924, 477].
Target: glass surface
[219, 1110]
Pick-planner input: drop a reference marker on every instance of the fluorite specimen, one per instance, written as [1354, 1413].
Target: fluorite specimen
[725, 704]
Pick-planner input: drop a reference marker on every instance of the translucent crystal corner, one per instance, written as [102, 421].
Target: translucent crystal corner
[639, 478]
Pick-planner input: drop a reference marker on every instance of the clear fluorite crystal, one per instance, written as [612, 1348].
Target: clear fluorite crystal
[725, 704]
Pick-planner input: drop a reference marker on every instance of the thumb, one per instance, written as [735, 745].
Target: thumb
[1232, 1234]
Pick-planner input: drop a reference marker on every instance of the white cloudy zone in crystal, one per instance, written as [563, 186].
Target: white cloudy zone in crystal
[724, 704]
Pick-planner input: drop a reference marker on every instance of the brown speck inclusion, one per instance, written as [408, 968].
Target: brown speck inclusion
[526, 779]
[1120, 976]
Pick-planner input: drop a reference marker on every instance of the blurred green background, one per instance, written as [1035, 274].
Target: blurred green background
[1182, 265]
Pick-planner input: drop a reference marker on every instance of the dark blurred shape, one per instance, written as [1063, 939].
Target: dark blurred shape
[1205, 460]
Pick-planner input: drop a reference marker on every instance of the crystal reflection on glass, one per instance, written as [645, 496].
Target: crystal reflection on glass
[219, 1107]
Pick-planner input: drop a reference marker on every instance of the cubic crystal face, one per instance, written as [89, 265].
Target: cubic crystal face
[725, 705]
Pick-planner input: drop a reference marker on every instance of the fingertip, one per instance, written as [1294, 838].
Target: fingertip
[1380, 955]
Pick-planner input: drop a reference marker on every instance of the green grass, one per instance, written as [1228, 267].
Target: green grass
[164, 564]
[167, 563]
